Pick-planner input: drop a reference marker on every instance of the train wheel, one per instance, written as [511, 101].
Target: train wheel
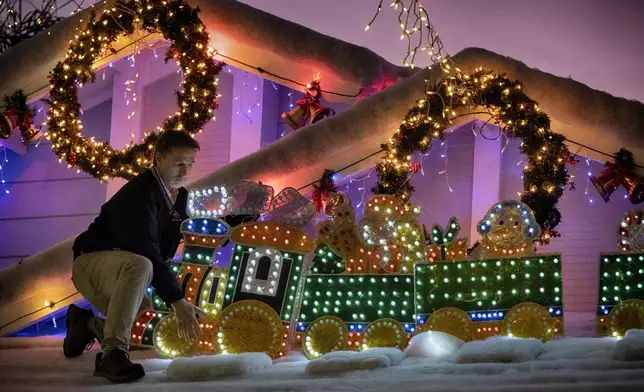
[385, 333]
[250, 326]
[325, 334]
[167, 341]
[529, 320]
[453, 321]
[626, 315]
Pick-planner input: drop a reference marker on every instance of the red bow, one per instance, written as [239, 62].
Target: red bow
[319, 196]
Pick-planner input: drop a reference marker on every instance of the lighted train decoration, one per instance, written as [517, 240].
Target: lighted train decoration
[621, 280]
[353, 285]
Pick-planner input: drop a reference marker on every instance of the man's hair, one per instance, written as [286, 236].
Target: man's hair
[170, 139]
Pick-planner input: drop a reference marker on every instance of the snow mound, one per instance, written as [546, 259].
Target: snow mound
[631, 348]
[344, 361]
[212, 367]
[578, 348]
[499, 349]
[434, 345]
[631, 333]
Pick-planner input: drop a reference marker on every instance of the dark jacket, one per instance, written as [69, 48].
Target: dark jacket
[140, 219]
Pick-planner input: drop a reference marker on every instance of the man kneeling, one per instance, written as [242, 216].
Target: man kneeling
[124, 251]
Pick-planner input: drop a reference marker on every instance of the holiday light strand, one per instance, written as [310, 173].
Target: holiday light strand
[2, 163]
[414, 23]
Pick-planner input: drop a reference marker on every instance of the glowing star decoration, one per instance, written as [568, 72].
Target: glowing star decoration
[630, 233]
[207, 203]
[249, 198]
[508, 229]
[291, 208]
[341, 235]
[444, 244]
[389, 226]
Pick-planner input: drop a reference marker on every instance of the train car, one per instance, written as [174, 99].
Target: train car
[504, 292]
[202, 282]
[621, 280]
[621, 293]
[342, 311]
[262, 295]
[470, 299]
[254, 295]
[476, 299]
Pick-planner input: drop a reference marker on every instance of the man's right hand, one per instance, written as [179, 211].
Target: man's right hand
[187, 323]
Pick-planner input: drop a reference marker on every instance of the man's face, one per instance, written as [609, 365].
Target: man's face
[175, 166]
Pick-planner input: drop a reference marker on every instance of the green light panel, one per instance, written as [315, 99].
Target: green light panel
[197, 255]
[327, 262]
[358, 298]
[488, 284]
[621, 277]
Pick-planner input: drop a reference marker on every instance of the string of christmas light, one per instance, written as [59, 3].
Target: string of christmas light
[444, 171]
[361, 188]
[363, 180]
[290, 106]
[2, 164]
[588, 175]
[190, 40]
[414, 22]
[261, 71]
[240, 97]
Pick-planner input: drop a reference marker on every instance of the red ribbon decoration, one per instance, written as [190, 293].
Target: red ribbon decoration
[323, 189]
[22, 119]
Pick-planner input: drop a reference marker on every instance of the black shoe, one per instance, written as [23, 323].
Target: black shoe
[117, 367]
[79, 337]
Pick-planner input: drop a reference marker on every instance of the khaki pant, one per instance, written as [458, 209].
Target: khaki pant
[114, 282]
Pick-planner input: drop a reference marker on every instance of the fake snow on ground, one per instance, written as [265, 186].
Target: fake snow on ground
[433, 362]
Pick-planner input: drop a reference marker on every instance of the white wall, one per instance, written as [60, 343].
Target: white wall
[49, 202]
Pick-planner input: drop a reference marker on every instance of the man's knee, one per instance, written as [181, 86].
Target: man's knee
[138, 265]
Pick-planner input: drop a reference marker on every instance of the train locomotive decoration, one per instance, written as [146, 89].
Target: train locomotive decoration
[353, 284]
[621, 280]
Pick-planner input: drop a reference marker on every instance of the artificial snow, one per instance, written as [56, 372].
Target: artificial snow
[498, 349]
[577, 365]
[433, 344]
[577, 348]
[631, 348]
[344, 361]
[213, 367]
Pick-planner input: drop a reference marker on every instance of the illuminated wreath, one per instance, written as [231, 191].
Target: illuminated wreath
[177, 22]
[545, 175]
